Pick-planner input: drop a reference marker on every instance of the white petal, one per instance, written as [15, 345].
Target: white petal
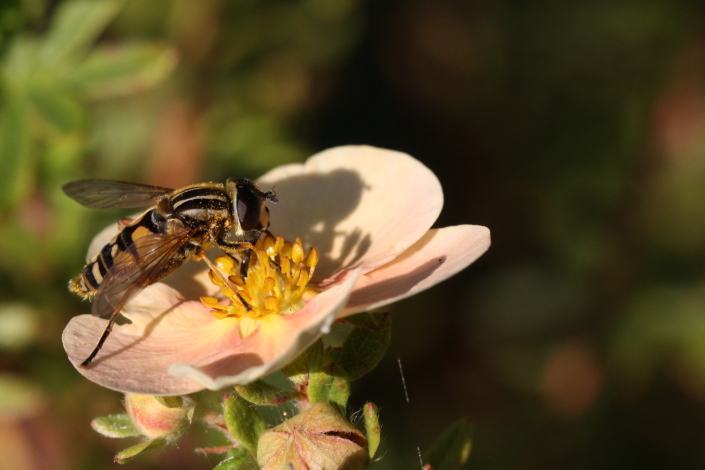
[167, 330]
[439, 255]
[299, 331]
[357, 205]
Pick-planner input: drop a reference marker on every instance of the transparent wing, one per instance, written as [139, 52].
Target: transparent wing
[108, 194]
[136, 268]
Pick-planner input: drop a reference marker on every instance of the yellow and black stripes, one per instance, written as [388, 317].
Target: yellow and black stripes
[86, 283]
[195, 206]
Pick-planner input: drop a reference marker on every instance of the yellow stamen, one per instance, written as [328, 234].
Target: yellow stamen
[215, 279]
[209, 301]
[303, 279]
[269, 284]
[225, 264]
[271, 303]
[276, 282]
[219, 314]
[312, 258]
[285, 264]
[286, 249]
[297, 252]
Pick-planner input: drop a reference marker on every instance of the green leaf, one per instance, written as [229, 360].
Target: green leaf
[21, 58]
[366, 344]
[119, 425]
[321, 370]
[58, 108]
[263, 393]
[146, 447]
[373, 430]
[329, 382]
[121, 70]
[243, 421]
[16, 166]
[452, 449]
[236, 457]
[75, 26]
[297, 370]
[315, 355]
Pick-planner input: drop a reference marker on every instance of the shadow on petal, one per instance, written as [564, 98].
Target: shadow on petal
[439, 254]
[231, 365]
[359, 206]
[302, 212]
[147, 332]
[395, 286]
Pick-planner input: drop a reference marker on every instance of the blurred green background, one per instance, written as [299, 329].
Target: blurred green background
[575, 130]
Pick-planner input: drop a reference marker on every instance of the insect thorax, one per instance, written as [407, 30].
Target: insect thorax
[204, 203]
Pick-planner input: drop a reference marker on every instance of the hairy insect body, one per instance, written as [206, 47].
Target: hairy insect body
[203, 210]
[181, 224]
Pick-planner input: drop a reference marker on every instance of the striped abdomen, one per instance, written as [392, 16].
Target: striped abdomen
[86, 283]
[203, 208]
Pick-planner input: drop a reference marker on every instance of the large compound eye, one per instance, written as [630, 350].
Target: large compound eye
[250, 209]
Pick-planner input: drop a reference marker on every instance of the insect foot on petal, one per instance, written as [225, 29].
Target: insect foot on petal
[319, 437]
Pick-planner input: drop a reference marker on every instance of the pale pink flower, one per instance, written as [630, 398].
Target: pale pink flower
[367, 211]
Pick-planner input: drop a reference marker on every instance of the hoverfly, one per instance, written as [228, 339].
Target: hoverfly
[180, 224]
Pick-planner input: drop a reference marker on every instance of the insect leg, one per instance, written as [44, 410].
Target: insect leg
[202, 256]
[244, 263]
[233, 247]
[244, 249]
[101, 341]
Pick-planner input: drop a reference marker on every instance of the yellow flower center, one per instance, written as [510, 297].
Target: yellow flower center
[277, 280]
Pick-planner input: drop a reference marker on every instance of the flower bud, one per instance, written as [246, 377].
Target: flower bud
[317, 438]
[156, 420]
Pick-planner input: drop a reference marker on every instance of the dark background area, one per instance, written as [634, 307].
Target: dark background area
[574, 130]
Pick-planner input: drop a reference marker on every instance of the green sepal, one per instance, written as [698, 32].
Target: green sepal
[263, 393]
[236, 457]
[297, 370]
[146, 447]
[315, 355]
[328, 381]
[373, 430]
[366, 343]
[243, 421]
[171, 402]
[452, 449]
[119, 425]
